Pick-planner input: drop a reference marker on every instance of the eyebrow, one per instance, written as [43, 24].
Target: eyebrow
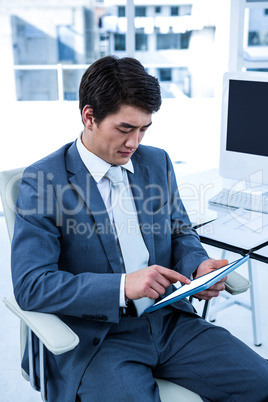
[128, 125]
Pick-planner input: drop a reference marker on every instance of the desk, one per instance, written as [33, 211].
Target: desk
[196, 190]
[261, 254]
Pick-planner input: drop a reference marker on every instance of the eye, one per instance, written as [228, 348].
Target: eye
[142, 130]
[124, 130]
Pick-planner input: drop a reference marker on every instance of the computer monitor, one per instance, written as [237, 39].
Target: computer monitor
[244, 127]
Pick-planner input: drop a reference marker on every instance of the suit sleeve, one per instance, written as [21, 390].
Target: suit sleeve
[187, 251]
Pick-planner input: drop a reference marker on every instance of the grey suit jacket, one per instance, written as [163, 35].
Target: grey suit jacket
[64, 255]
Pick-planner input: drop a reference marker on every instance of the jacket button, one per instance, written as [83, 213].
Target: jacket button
[96, 341]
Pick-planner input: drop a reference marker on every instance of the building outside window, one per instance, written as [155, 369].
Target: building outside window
[119, 42]
[50, 35]
[174, 81]
[140, 11]
[172, 41]
[47, 45]
[30, 43]
[141, 41]
[84, 30]
[165, 74]
[258, 27]
[71, 81]
[174, 10]
[121, 11]
[255, 49]
[36, 85]
[66, 43]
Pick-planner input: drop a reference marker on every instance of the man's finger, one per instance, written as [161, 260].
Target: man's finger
[220, 263]
[173, 276]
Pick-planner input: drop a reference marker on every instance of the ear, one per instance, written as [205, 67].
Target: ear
[87, 116]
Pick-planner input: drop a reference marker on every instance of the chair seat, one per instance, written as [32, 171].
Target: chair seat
[170, 392]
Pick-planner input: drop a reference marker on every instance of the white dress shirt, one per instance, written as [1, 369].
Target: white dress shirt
[98, 168]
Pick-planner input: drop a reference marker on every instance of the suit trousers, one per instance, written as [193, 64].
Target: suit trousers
[176, 346]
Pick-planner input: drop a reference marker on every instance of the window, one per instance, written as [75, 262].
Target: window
[185, 38]
[141, 42]
[36, 85]
[30, 44]
[258, 28]
[172, 41]
[121, 11]
[165, 74]
[167, 41]
[253, 38]
[185, 9]
[183, 80]
[140, 11]
[119, 42]
[158, 10]
[71, 81]
[174, 10]
[65, 43]
[174, 81]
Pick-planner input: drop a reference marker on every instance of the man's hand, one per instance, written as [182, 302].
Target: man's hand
[204, 268]
[151, 282]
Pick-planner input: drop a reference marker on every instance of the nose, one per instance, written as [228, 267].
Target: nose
[134, 139]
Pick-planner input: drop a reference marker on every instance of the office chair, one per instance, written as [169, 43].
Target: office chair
[53, 334]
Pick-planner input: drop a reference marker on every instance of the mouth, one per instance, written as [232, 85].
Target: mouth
[126, 153]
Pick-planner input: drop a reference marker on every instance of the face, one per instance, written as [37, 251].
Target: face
[118, 136]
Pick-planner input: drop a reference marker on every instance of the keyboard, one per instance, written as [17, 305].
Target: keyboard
[241, 199]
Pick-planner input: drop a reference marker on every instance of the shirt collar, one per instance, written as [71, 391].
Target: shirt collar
[96, 166]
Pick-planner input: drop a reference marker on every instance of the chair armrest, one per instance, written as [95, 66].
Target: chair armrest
[236, 283]
[57, 337]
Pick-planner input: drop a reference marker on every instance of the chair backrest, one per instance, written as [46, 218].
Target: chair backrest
[9, 190]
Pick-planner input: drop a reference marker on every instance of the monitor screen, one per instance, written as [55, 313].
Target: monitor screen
[247, 124]
[244, 127]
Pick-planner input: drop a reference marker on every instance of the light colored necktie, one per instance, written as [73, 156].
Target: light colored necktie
[133, 249]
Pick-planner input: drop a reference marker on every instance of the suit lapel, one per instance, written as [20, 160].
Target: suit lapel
[86, 187]
[141, 187]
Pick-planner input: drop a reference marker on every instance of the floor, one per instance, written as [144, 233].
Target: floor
[15, 389]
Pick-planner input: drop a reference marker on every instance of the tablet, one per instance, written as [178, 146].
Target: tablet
[198, 284]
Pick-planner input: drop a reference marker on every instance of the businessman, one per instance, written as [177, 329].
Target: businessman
[100, 234]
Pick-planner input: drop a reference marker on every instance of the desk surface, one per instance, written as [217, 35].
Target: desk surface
[196, 190]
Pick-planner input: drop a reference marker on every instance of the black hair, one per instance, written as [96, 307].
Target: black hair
[111, 82]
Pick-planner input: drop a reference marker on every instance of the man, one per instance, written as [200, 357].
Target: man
[70, 257]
